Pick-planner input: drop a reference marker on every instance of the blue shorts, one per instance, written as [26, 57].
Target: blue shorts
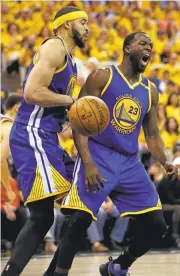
[44, 167]
[128, 184]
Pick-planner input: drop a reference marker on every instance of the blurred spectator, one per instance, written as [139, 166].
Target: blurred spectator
[165, 55]
[12, 44]
[6, 121]
[170, 134]
[4, 95]
[6, 15]
[26, 54]
[44, 34]
[169, 192]
[95, 238]
[101, 50]
[173, 67]
[173, 106]
[164, 81]
[25, 22]
[92, 232]
[45, 21]
[108, 209]
[19, 91]
[156, 172]
[13, 216]
[50, 247]
[162, 40]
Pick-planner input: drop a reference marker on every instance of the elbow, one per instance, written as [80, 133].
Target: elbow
[33, 96]
[29, 97]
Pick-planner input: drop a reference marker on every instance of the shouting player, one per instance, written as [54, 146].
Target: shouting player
[113, 156]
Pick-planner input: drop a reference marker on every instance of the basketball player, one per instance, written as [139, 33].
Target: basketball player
[34, 143]
[113, 156]
[11, 106]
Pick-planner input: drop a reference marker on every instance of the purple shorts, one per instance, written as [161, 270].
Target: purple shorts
[43, 166]
[128, 184]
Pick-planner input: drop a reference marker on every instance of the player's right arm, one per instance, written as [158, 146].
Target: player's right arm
[50, 57]
[5, 150]
[92, 87]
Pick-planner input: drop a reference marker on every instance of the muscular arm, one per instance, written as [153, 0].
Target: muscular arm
[151, 130]
[5, 150]
[93, 87]
[51, 56]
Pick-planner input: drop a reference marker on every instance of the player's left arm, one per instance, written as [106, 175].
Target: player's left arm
[153, 137]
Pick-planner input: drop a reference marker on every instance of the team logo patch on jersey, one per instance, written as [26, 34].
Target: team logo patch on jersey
[126, 113]
[71, 85]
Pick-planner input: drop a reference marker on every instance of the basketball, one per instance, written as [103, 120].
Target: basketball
[89, 116]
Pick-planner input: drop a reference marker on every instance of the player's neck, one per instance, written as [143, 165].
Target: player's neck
[10, 114]
[70, 45]
[127, 70]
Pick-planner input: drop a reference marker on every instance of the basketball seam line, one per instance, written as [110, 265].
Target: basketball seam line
[80, 119]
[94, 114]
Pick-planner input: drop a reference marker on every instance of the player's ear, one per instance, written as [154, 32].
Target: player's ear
[127, 49]
[67, 24]
[16, 107]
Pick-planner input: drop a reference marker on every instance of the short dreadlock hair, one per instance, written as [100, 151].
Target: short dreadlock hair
[129, 38]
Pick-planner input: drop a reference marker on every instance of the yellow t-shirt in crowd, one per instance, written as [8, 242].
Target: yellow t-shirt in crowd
[26, 26]
[172, 111]
[163, 98]
[8, 40]
[169, 138]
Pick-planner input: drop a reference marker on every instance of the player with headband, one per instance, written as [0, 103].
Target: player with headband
[40, 162]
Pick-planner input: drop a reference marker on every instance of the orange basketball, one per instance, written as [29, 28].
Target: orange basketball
[89, 116]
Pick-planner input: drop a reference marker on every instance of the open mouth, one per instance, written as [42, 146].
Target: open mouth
[145, 59]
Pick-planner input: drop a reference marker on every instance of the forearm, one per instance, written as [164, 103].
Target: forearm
[81, 143]
[46, 98]
[5, 175]
[157, 148]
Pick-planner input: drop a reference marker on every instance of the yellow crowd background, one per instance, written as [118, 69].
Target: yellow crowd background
[26, 24]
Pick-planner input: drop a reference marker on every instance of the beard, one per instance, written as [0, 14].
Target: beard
[136, 64]
[78, 39]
